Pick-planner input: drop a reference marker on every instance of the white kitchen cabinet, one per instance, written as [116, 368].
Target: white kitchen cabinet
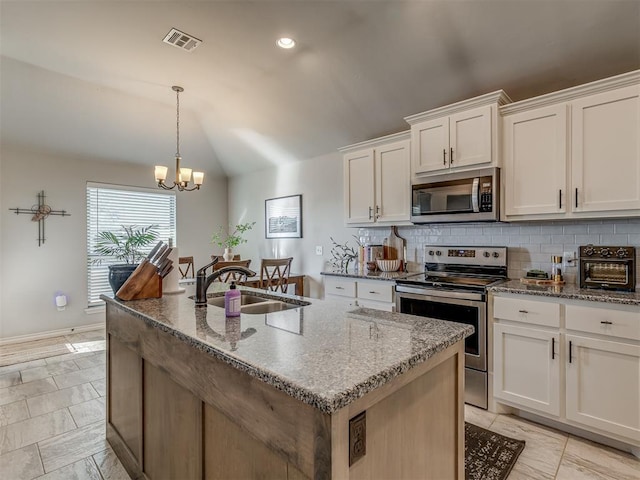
[526, 360]
[603, 368]
[376, 181]
[574, 153]
[535, 159]
[456, 137]
[376, 294]
[573, 361]
[527, 367]
[605, 153]
[603, 384]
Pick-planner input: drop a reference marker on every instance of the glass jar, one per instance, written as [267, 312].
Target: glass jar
[556, 268]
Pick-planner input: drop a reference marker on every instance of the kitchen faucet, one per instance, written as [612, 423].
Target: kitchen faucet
[203, 282]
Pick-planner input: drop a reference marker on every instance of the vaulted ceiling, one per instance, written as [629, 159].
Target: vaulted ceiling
[92, 79]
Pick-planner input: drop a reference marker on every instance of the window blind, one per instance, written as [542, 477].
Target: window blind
[109, 207]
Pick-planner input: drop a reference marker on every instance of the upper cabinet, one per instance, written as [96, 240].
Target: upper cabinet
[574, 153]
[456, 137]
[377, 188]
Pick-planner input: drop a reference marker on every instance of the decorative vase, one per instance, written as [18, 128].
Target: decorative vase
[228, 255]
[118, 274]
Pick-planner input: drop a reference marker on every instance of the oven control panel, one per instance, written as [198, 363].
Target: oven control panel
[485, 256]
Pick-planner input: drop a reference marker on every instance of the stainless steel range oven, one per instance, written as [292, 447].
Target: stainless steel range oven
[453, 288]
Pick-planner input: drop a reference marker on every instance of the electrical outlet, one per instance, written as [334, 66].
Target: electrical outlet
[357, 437]
[569, 259]
[319, 250]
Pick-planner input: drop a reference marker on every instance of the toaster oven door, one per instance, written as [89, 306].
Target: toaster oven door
[607, 274]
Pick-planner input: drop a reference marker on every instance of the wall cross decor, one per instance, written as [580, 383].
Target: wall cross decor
[39, 212]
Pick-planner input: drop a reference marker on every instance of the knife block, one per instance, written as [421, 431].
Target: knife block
[144, 282]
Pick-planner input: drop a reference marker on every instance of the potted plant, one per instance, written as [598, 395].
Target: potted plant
[126, 246]
[229, 241]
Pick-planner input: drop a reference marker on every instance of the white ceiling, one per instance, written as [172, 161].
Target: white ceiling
[92, 79]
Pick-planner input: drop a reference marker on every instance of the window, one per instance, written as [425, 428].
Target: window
[111, 206]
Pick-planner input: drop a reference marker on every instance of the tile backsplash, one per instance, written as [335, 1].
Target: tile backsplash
[530, 244]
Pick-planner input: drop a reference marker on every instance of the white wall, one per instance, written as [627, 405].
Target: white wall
[31, 275]
[319, 180]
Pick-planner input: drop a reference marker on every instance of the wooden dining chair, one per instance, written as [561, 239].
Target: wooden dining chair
[232, 276]
[188, 261]
[274, 273]
[221, 257]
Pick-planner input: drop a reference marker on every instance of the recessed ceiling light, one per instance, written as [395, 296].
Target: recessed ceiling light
[286, 42]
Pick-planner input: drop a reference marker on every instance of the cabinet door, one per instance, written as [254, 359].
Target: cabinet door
[470, 137]
[393, 187]
[359, 184]
[535, 156]
[526, 365]
[430, 145]
[603, 385]
[606, 151]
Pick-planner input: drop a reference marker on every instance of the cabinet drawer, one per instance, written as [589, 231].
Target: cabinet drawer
[339, 286]
[380, 291]
[384, 306]
[605, 321]
[527, 311]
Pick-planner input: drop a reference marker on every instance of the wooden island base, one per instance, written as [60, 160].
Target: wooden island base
[176, 412]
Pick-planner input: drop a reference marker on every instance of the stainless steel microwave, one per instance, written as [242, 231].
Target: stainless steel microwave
[472, 196]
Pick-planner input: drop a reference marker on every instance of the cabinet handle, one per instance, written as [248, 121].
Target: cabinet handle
[444, 156]
[339, 288]
[553, 348]
[377, 211]
[370, 212]
[371, 291]
[560, 198]
[606, 322]
[451, 155]
[570, 351]
[523, 311]
[576, 197]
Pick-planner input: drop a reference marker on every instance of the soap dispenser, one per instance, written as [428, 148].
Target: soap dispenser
[232, 301]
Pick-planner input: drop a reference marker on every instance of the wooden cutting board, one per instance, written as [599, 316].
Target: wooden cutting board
[396, 246]
[540, 281]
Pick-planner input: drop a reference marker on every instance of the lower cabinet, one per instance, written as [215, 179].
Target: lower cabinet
[584, 372]
[527, 367]
[376, 294]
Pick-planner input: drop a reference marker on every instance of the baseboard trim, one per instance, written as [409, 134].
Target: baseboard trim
[52, 333]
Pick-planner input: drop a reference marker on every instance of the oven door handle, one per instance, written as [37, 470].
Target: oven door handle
[455, 298]
[475, 195]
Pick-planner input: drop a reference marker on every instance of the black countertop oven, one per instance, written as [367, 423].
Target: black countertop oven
[609, 268]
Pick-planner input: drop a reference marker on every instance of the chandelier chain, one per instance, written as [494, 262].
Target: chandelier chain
[177, 123]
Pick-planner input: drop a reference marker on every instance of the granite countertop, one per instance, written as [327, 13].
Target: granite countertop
[568, 291]
[326, 354]
[370, 275]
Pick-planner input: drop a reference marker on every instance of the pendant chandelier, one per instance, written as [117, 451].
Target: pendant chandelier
[183, 175]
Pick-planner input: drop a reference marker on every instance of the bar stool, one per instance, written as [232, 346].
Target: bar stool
[274, 273]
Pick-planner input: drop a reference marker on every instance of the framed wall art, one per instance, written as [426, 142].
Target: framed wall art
[283, 217]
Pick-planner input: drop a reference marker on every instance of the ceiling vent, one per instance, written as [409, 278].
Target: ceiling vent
[182, 40]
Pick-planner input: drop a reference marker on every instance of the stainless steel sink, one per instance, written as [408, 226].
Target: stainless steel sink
[268, 307]
[245, 299]
[256, 305]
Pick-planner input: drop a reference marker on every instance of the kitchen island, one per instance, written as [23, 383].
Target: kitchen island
[316, 391]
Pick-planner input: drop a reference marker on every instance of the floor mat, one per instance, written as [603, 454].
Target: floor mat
[489, 455]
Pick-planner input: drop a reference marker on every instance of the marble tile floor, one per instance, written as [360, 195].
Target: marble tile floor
[52, 424]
